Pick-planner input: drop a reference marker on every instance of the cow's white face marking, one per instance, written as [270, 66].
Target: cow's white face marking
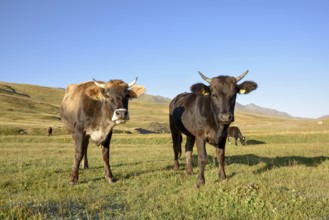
[120, 121]
[116, 117]
[99, 134]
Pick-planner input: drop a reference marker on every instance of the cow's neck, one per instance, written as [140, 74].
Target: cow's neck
[99, 133]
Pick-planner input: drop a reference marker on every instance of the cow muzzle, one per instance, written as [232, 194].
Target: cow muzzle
[120, 116]
[226, 118]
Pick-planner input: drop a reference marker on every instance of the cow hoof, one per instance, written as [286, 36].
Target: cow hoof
[200, 183]
[189, 172]
[73, 182]
[109, 180]
[221, 178]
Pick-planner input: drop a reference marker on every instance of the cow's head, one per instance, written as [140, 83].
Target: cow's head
[115, 95]
[243, 140]
[222, 90]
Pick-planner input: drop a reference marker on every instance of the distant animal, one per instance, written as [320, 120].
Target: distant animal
[235, 133]
[92, 110]
[204, 115]
[50, 131]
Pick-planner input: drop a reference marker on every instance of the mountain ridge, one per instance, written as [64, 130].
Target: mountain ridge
[48, 95]
[249, 108]
[255, 109]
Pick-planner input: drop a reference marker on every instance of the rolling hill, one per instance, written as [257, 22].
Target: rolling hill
[32, 109]
[254, 109]
[146, 98]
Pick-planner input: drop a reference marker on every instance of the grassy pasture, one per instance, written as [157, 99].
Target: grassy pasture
[283, 172]
[280, 176]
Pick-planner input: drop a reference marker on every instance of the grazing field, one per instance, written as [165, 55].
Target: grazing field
[275, 176]
[282, 173]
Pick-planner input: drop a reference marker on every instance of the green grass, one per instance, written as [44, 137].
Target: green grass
[273, 180]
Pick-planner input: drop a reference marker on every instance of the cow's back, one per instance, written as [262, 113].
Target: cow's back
[69, 106]
[71, 97]
[73, 103]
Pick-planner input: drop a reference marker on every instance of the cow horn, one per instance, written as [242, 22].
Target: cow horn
[132, 83]
[241, 76]
[208, 80]
[100, 85]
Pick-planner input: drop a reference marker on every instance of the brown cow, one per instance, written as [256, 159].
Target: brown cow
[50, 131]
[92, 110]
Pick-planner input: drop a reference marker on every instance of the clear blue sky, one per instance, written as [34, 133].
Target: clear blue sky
[284, 44]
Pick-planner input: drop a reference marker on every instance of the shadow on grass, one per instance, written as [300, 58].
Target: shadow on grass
[118, 176]
[270, 163]
[247, 159]
[276, 162]
[254, 142]
[248, 142]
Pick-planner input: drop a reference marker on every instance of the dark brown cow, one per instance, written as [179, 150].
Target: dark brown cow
[92, 109]
[50, 131]
[235, 133]
[204, 116]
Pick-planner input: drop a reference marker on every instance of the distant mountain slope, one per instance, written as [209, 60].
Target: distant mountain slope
[24, 98]
[325, 117]
[254, 109]
[32, 92]
[145, 98]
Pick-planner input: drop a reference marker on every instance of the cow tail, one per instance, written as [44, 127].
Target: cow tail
[180, 146]
[177, 145]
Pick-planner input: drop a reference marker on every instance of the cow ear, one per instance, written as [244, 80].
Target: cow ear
[95, 93]
[136, 91]
[200, 89]
[246, 87]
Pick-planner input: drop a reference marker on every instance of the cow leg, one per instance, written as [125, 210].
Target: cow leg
[85, 151]
[190, 140]
[177, 146]
[236, 141]
[202, 160]
[78, 141]
[220, 154]
[106, 158]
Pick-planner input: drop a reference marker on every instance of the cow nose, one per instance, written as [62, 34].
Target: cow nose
[120, 114]
[226, 117]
